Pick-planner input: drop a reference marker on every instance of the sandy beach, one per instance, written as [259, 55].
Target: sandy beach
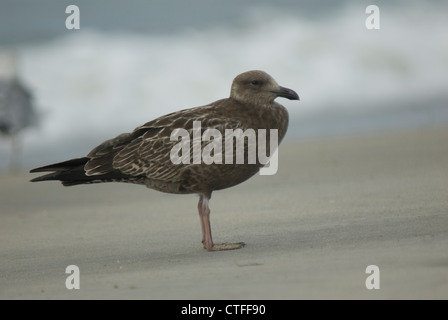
[335, 206]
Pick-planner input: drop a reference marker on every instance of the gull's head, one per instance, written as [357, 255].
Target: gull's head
[258, 87]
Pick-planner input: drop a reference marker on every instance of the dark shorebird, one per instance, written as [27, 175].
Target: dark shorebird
[16, 108]
[143, 156]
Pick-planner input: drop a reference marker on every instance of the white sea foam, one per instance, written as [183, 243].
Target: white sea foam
[90, 85]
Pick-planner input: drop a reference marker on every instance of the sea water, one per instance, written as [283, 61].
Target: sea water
[128, 64]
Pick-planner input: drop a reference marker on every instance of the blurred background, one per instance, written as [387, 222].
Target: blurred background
[132, 61]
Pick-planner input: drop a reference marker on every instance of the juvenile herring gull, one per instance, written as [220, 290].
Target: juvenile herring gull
[143, 156]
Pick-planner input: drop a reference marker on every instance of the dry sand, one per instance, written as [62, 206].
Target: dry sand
[335, 206]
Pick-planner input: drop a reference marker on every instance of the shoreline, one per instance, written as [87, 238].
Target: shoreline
[335, 206]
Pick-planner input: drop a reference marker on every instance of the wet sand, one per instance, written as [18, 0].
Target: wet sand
[335, 206]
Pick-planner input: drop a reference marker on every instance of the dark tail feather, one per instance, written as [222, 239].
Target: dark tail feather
[66, 171]
[64, 165]
[72, 172]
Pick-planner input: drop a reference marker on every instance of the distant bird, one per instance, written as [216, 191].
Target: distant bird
[143, 156]
[16, 108]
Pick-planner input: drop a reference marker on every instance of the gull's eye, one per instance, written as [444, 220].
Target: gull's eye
[255, 82]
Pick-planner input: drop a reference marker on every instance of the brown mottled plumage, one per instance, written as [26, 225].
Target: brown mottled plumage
[143, 156]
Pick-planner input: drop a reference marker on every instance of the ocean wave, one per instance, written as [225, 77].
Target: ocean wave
[90, 85]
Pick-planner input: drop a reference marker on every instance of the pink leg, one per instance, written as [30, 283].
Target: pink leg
[200, 219]
[207, 241]
[204, 216]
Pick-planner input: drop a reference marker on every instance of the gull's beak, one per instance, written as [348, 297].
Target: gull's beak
[286, 93]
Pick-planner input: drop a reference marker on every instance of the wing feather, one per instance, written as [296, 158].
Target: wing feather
[149, 154]
[146, 150]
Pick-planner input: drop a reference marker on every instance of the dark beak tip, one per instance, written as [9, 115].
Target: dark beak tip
[287, 93]
[295, 97]
[292, 95]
